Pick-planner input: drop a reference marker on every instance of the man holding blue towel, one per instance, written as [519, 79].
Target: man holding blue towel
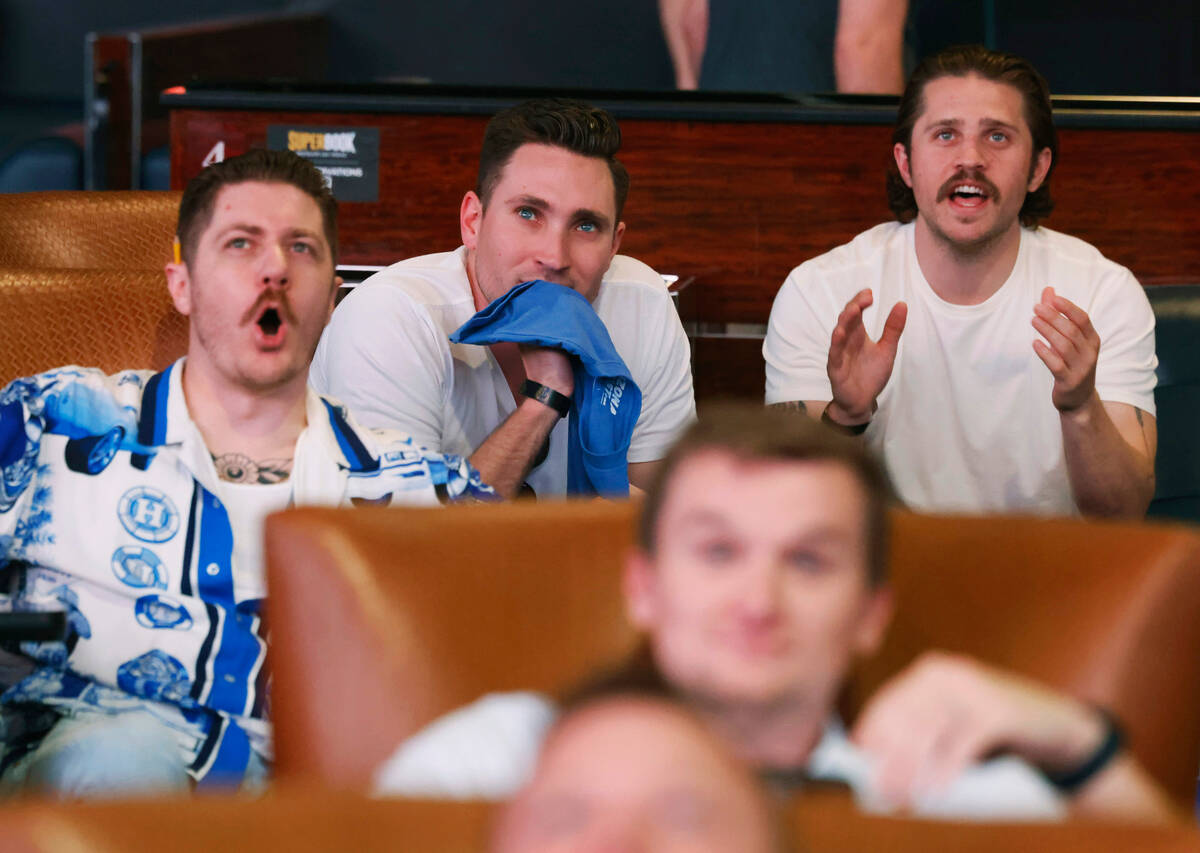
[547, 208]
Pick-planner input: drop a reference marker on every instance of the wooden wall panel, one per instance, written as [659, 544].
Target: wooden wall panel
[736, 205]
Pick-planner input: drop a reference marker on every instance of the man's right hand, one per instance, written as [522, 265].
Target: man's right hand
[551, 367]
[858, 367]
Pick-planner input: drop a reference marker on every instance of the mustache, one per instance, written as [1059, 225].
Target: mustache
[970, 176]
[270, 298]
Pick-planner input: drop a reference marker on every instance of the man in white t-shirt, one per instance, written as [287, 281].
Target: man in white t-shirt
[759, 576]
[547, 206]
[995, 365]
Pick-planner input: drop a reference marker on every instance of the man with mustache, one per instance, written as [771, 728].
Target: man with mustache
[995, 365]
[134, 502]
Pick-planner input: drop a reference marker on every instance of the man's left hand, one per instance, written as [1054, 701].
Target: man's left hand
[1070, 350]
[945, 712]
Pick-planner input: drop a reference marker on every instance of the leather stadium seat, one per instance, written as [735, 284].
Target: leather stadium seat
[88, 230]
[308, 820]
[296, 821]
[1177, 398]
[93, 318]
[1106, 611]
[386, 619]
[382, 619]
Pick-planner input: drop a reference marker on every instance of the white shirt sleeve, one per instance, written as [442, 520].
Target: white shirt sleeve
[485, 750]
[384, 357]
[1003, 789]
[668, 401]
[796, 348]
[1125, 324]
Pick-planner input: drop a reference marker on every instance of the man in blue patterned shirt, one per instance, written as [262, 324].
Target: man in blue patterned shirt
[134, 502]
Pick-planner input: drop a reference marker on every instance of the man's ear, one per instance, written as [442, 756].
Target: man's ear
[1041, 167]
[469, 215]
[337, 286]
[876, 616]
[639, 584]
[618, 233]
[901, 155]
[179, 285]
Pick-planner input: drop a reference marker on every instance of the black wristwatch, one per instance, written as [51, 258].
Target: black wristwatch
[561, 403]
[844, 429]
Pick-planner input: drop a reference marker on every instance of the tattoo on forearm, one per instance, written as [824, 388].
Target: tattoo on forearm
[796, 406]
[240, 468]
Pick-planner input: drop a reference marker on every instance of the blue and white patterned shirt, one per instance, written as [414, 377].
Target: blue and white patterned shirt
[109, 510]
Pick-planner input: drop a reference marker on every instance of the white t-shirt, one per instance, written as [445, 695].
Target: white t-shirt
[386, 355]
[966, 421]
[489, 749]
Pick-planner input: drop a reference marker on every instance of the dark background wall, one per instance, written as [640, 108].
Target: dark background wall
[1082, 46]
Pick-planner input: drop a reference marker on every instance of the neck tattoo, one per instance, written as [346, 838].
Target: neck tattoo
[240, 468]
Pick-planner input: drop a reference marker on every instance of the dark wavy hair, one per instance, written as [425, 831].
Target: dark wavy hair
[283, 167]
[994, 65]
[574, 125]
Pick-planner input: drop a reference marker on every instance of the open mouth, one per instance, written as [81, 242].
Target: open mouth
[270, 322]
[970, 195]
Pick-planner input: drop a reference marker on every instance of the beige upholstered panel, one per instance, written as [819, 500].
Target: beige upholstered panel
[93, 318]
[88, 230]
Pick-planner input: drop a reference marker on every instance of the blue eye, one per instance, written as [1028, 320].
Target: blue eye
[998, 136]
[944, 135]
[589, 227]
[238, 243]
[302, 247]
[526, 212]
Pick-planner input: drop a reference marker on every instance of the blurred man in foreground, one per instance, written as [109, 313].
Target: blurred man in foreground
[632, 772]
[760, 576]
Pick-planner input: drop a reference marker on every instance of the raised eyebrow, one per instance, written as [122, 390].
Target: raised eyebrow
[529, 201]
[242, 227]
[995, 123]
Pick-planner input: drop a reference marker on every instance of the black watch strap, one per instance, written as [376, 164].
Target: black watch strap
[1072, 780]
[561, 403]
[844, 429]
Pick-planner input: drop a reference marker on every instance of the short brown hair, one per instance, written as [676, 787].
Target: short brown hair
[566, 123]
[999, 67]
[282, 167]
[753, 432]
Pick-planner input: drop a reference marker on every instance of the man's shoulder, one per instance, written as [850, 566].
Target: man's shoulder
[436, 279]
[633, 276]
[868, 247]
[1065, 248]
[84, 383]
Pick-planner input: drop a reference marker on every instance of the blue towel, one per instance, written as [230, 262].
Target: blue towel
[607, 401]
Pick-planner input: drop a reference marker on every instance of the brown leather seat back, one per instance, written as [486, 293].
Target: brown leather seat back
[93, 318]
[1107, 611]
[88, 230]
[292, 820]
[383, 619]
